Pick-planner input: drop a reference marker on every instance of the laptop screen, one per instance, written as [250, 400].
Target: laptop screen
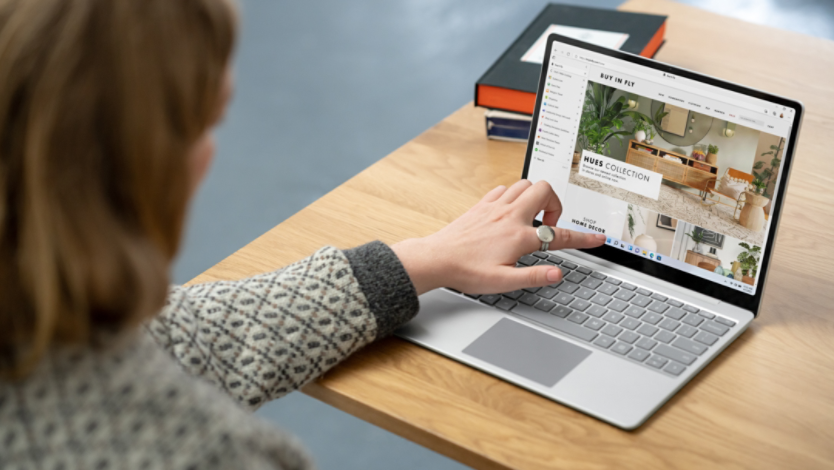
[682, 173]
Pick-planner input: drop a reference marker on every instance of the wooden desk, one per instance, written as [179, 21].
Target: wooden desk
[766, 402]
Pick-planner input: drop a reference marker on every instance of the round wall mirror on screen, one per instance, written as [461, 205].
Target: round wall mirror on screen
[680, 126]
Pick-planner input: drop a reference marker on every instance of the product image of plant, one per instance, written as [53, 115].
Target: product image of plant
[749, 259]
[698, 238]
[712, 149]
[767, 174]
[759, 186]
[631, 222]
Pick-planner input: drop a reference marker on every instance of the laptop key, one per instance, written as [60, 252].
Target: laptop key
[634, 311]
[547, 292]
[506, 304]
[564, 298]
[555, 322]
[490, 299]
[660, 298]
[575, 277]
[629, 337]
[612, 330]
[621, 348]
[657, 361]
[568, 287]
[541, 255]
[675, 303]
[705, 338]
[706, 314]
[629, 287]
[647, 330]
[615, 281]
[714, 328]
[674, 368]
[601, 299]
[612, 317]
[599, 276]
[585, 293]
[528, 260]
[641, 301]
[675, 354]
[689, 346]
[594, 324]
[725, 321]
[658, 307]
[687, 331]
[665, 337]
[577, 317]
[618, 305]
[580, 304]
[544, 305]
[555, 259]
[646, 343]
[472, 296]
[604, 341]
[623, 294]
[596, 311]
[561, 311]
[652, 318]
[674, 312]
[691, 309]
[569, 265]
[638, 355]
[584, 270]
[693, 319]
[608, 289]
[544, 262]
[630, 323]
[645, 292]
[591, 283]
[528, 299]
[514, 294]
[532, 289]
[669, 324]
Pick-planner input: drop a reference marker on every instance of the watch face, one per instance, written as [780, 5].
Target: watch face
[545, 233]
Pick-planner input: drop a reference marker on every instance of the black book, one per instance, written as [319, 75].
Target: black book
[510, 84]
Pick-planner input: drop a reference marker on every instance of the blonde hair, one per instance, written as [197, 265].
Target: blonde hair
[100, 103]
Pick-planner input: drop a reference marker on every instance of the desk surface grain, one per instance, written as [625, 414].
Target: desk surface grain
[766, 402]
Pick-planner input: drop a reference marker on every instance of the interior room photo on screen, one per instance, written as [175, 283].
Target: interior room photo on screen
[715, 174]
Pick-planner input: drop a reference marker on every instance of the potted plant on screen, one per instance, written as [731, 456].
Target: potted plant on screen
[712, 154]
[749, 259]
[698, 238]
[767, 174]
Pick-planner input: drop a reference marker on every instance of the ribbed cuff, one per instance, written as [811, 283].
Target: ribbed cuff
[386, 285]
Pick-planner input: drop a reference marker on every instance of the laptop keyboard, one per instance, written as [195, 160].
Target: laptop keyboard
[626, 320]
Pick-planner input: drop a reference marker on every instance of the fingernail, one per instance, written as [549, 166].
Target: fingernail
[600, 237]
[554, 275]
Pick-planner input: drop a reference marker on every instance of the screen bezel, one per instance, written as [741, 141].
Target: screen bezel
[652, 268]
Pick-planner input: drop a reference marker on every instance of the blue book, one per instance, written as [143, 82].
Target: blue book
[511, 127]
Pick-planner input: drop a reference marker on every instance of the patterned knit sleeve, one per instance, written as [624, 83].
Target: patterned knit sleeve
[260, 338]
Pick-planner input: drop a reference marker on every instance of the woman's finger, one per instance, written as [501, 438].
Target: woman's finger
[572, 239]
[508, 278]
[493, 195]
[540, 197]
[515, 191]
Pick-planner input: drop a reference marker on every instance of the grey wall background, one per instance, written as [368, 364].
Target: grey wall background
[327, 87]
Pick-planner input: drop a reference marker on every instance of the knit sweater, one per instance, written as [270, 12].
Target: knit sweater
[179, 393]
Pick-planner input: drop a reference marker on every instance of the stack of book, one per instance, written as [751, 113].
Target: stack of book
[508, 88]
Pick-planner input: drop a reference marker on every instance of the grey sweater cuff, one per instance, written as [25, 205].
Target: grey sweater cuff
[385, 283]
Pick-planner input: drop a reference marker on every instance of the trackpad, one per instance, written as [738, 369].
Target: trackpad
[534, 355]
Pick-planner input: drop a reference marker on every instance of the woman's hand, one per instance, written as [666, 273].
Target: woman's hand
[477, 252]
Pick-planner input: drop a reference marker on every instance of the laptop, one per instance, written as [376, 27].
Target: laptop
[685, 174]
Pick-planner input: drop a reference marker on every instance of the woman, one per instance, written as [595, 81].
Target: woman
[106, 112]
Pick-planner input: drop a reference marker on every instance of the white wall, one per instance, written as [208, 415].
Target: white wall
[727, 255]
